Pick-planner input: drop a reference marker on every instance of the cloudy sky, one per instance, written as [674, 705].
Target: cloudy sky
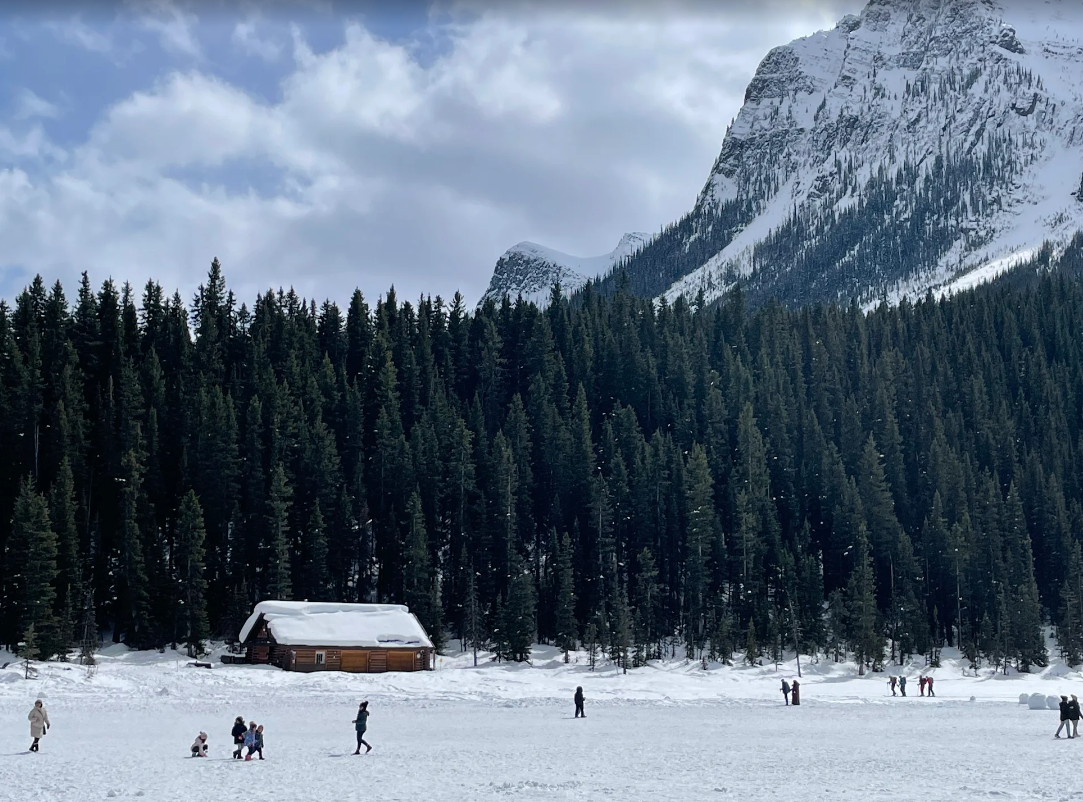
[330, 145]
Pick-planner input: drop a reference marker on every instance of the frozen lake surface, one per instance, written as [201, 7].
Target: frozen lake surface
[665, 732]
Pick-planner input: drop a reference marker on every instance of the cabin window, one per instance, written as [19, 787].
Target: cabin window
[321, 658]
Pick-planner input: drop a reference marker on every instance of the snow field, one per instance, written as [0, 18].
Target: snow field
[668, 731]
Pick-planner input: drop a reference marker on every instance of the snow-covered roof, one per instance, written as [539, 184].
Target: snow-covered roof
[335, 624]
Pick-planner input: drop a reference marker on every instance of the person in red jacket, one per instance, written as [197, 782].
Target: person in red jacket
[929, 686]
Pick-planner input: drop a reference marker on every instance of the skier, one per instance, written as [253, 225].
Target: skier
[892, 682]
[361, 724]
[902, 685]
[259, 741]
[795, 693]
[39, 723]
[1064, 718]
[250, 740]
[786, 691]
[238, 731]
[199, 745]
[1073, 715]
[929, 686]
[579, 702]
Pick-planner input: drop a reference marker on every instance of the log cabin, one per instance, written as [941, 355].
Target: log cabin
[328, 636]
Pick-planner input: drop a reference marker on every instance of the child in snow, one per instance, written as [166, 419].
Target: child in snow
[250, 740]
[199, 746]
[786, 691]
[259, 741]
[1064, 718]
[579, 702]
[238, 732]
[361, 724]
[39, 723]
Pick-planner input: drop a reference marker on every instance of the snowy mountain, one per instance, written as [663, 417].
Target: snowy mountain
[531, 270]
[922, 144]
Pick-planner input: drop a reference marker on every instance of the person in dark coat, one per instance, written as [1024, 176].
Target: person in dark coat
[892, 681]
[259, 741]
[921, 686]
[902, 685]
[1064, 718]
[795, 693]
[361, 724]
[929, 686]
[786, 691]
[238, 733]
[1073, 715]
[579, 702]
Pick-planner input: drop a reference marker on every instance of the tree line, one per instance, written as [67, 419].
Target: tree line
[626, 475]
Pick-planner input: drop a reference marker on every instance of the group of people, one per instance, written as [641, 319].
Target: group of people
[244, 735]
[1069, 716]
[791, 692]
[925, 685]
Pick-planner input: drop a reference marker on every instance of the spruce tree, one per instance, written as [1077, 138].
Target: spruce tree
[419, 582]
[191, 535]
[566, 626]
[32, 531]
[1070, 628]
[1024, 624]
[279, 584]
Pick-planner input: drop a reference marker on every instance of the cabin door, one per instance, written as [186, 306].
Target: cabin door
[377, 662]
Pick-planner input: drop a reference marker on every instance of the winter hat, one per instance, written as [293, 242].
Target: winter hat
[37, 702]
[203, 735]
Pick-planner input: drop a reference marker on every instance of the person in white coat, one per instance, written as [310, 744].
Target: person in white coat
[39, 723]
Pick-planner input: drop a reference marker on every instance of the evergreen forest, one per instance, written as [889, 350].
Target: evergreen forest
[635, 477]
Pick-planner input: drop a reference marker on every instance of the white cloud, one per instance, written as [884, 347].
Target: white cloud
[29, 105]
[75, 31]
[245, 37]
[376, 166]
[174, 26]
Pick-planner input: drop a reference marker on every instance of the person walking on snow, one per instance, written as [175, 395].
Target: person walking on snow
[795, 693]
[902, 685]
[1073, 715]
[921, 686]
[39, 723]
[786, 691]
[361, 724]
[929, 686]
[1064, 718]
[238, 731]
[199, 745]
[892, 682]
[259, 741]
[250, 740]
[579, 702]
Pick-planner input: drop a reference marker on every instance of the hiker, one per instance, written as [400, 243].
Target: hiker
[199, 745]
[39, 723]
[786, 691]
[1073, 715]
[929, 686]
[921, 686]
[579, 702]
[892, 681]
[1064, 718]
[361, 724]
[238, 731]
[795, 693]
[902, 685]
[250, 740]
[259, 741]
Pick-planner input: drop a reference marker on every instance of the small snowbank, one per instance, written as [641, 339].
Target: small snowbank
[122, 673]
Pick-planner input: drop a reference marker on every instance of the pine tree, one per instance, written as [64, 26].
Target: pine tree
[189, 565]
[865, 641]
[279, 583]
[315, 565]
[566, 626]
[29, 650]
[419, 582]
[701, 534]
[32, 531]
[1024, 609]
[1070, 628]
[518, 617]
[69, 581]
[133, 598]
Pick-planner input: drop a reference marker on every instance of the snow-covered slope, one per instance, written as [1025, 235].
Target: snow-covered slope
[531, 270]
[918, 142]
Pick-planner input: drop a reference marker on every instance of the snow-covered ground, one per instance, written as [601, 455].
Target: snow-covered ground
[667, 731]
